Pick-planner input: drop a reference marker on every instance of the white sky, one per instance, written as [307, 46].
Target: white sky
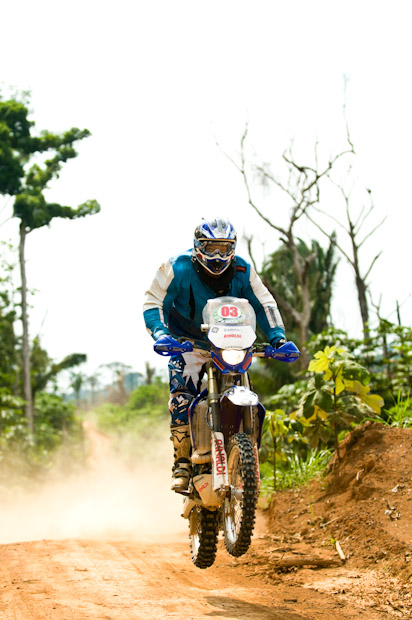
[157, 83]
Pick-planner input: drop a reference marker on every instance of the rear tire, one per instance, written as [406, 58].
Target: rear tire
[204, 529]
[240, 507]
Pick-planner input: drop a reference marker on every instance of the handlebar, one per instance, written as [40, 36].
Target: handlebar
[168, 346]
[288, 352]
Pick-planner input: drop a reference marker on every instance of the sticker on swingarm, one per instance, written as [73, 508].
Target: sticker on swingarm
[220, 475]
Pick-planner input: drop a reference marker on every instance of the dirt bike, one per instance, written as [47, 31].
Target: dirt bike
[226, 421]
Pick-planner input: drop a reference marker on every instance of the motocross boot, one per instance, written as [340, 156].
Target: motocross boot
[181, 447]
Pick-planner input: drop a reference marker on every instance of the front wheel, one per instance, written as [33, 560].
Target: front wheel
[204, 529]
[240, 506]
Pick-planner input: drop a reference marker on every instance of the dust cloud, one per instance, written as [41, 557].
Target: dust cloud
[108, 500]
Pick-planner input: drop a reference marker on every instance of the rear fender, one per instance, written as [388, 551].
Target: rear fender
[188, 505]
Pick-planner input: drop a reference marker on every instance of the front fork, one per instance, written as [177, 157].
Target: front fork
[219, 457]
[249, 423]
[213, 399]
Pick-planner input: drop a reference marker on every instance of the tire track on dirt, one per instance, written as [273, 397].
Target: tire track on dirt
[113, 580]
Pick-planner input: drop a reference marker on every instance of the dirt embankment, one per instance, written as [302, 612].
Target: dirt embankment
[362, 509]
[130, 558]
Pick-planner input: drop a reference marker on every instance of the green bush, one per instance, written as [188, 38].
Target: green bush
[152, 398]
[57, 438]
[145, 418]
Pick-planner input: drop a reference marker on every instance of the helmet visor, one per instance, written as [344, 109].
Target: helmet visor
[221, 247]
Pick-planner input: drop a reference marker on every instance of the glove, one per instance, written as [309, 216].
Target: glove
[160, 332]
[276, 343]
[168, 346]
[283, 351]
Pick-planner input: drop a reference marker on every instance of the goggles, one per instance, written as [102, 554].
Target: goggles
[210, 248]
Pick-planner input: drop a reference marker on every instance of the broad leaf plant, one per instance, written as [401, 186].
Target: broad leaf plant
[338, 396]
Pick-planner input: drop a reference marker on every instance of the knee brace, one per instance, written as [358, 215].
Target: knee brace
[179, 404]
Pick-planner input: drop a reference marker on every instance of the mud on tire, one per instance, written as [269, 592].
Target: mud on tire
[240, 508]
[204, 529]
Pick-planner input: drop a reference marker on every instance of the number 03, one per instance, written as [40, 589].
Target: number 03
[229, 311]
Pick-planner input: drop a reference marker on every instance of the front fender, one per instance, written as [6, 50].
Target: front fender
[241, 396]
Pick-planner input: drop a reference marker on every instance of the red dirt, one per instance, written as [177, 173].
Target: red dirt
[364, 503]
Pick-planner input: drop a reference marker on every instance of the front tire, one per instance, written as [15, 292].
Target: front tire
[240, 507]
[204, 530]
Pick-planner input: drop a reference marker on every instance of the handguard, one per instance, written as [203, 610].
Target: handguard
[288, 352]
[168, 346]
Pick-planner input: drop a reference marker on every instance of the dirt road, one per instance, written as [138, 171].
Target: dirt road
[109, 580]
[106, 546]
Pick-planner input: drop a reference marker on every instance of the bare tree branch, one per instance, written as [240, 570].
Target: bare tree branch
[229, 157]
[6, 204]
[303, 192]
[327, 215]
[249, 241]
[363, 216]
[345, 87]
[301, 169]
[371, 266]
[329, 236]
[371, 232]
[5, 221]
[265, 174]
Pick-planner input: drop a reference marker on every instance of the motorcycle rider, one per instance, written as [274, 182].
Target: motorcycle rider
[173, 308]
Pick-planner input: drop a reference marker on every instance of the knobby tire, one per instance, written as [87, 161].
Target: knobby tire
[239, 513]
[204, 530]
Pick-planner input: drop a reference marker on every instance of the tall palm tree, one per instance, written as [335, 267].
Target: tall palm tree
[280, 277]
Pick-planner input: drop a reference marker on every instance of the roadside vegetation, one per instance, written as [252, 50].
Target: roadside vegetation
[348, 382]
[141, 421]
[339, 383]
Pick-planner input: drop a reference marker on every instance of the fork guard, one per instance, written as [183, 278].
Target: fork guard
[241, 396]
[232, 404]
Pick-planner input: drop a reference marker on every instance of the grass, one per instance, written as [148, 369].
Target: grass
[400, 414]
[296, 472]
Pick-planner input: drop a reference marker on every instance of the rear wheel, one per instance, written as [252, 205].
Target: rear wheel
[204, 529]
[240, 506]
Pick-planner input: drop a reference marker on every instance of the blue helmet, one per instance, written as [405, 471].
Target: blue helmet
[214, 245]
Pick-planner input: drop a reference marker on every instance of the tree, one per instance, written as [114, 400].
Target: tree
[302, 190]
[27, 184]
[77, 380]
[118, 393]
[353, 229]
[280, 278]
[150, 373]
[8, 339]
[93, 381]
[44, 370]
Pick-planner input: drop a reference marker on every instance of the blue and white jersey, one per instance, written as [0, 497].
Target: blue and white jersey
[177, 296]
